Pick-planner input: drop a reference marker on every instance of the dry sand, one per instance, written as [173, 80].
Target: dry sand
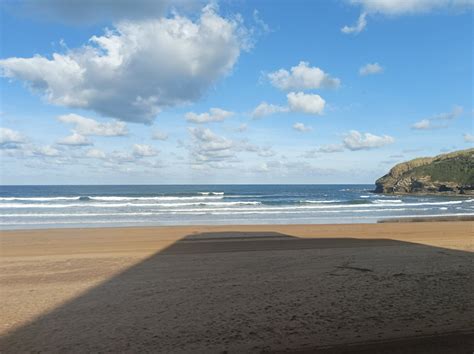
[364, 288]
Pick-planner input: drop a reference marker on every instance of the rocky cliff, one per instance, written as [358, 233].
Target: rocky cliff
[451, 173]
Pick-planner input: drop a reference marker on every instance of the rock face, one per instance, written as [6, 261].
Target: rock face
[451, 173]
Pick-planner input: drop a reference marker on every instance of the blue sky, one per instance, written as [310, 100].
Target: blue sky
[231, 91]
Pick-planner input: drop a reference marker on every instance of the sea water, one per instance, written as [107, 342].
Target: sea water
[24, 207]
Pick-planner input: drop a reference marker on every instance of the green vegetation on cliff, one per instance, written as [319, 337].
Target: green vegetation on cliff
[452, 172]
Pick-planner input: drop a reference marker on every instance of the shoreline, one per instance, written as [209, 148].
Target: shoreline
[398, 219]
[240, 288]
[410, 219]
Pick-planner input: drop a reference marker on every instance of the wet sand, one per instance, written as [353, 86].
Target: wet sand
[362, 288]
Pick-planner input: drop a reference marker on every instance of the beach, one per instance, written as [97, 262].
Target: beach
[362, 288]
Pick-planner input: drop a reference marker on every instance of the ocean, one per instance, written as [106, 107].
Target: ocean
[26, 207]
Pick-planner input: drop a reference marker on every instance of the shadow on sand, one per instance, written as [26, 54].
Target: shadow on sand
[265, 291]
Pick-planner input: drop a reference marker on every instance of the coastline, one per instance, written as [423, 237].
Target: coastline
[410, 219]
[237, 288]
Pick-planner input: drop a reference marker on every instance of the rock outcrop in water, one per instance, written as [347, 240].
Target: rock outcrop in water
[451, 173]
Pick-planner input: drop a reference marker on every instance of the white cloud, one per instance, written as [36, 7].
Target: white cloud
[139, 68]
[456, 111]
[45, 151]
[87, 126]
[330, 148]
[285, 168]
[401, 7]
[95, 154]
[359, 26]
[214, 115]
[355, 140]
[210, 150]
[433, 122]
[75, 139]
[422, 125]
[302, 128]
[297, 102]
[468, 138]
[265, 28]
[143, 150]
[302, 77]
[159, 135]
[265, 151]
[10, 138]
[262, 168]
[209, 147]
[138, 156]
[305, 103]
[371, 69]
[325, 149]
[266, 109]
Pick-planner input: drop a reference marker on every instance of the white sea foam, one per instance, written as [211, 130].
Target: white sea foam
[111, 199]
[37, 199]
[121, 205]
[205, 210]
[380, 201]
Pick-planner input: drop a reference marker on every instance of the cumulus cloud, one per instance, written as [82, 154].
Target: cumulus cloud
[295, 168]
[401, 7]
[159, 135]
[302, 127]
[436, 121]
[423, 124]
[324, 149]
[143, 150]
[45, 151]
[138, 157]
[305, 103]
[128, 73]
[355, 140]
[87, 126]
[468, 138]
[330, 148]
[214, 115]
[95, 154]
[210, 147]
[395, 7]
[358, 27]
[266, 109]
[302, 77]
[10, 138]
[455, 112]
[265, 151]
[75, 139]
[297, 102]
[210, 150]
[264, 27]
[370, 69]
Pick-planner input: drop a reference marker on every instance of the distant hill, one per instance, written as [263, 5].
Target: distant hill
[447, 173]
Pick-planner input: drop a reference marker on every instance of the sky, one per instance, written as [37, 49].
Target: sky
[223, 92]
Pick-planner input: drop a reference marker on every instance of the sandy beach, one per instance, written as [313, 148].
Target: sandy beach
[363, 288]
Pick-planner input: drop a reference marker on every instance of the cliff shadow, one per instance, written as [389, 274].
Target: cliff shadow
[264, 291]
